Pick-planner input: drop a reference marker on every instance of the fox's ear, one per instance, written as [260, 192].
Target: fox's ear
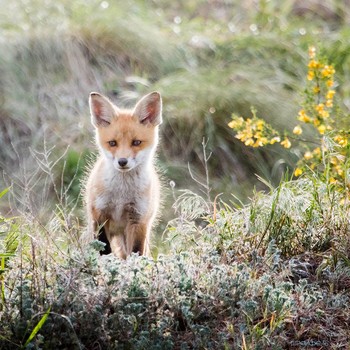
[149, 109]
[102, 110]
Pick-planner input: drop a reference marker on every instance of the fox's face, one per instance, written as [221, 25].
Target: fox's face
[127, 138]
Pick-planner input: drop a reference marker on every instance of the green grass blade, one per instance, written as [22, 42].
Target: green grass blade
[6, 255]
[38, 327]
[4, 192]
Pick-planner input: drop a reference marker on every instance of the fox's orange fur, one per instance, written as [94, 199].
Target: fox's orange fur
[122, 191]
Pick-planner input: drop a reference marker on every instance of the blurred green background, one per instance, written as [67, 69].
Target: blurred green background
[208, 59]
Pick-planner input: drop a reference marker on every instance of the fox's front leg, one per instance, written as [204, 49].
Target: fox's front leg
[115, 239]
[105, 230]
[136, 232]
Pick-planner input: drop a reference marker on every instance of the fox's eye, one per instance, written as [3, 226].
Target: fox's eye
[112, 143]
[136, 142]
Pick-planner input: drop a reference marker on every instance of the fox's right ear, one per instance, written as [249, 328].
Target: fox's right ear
[102, 110]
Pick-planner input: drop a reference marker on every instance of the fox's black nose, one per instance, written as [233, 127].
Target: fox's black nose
[122, 162]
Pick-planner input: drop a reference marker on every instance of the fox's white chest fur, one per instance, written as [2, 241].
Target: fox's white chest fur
[122, 189]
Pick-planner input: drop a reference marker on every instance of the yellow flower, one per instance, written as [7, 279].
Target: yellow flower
[244, 134]
[312, 51]
[330, 83]
[314, 64]
[319, 108]
[302, 113]
[297, 130]
[249, 142]
[308, 155]
[258, 135]
[321, 129]
[298, 172]
[332, 180]
[317, 151]
[330, 94]
[317, 122]
[303, 117]
[324, 114]
[264, 140]
[339, 169]
[233, 124]
[327, 71]
[329, 103]
[260, 124]
[310, 75]
[258, 143]
[316, 89]
[286, 143]
[341, 140]
[275, 139]
[334, 160]
[240, 136]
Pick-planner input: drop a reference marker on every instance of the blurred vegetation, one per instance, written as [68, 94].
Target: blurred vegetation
[209, 59]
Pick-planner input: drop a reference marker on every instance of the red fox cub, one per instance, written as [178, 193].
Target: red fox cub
[122, 191]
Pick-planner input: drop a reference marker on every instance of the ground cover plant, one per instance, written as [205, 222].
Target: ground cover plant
[272, 274]
[271, 271]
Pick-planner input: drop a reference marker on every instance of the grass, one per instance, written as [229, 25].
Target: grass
[268, 270]
[270, 274]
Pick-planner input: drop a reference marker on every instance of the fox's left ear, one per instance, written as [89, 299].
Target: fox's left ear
[149, 109]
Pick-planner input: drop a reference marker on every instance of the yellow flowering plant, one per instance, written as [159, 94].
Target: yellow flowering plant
[331, 145]
[254, 131]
